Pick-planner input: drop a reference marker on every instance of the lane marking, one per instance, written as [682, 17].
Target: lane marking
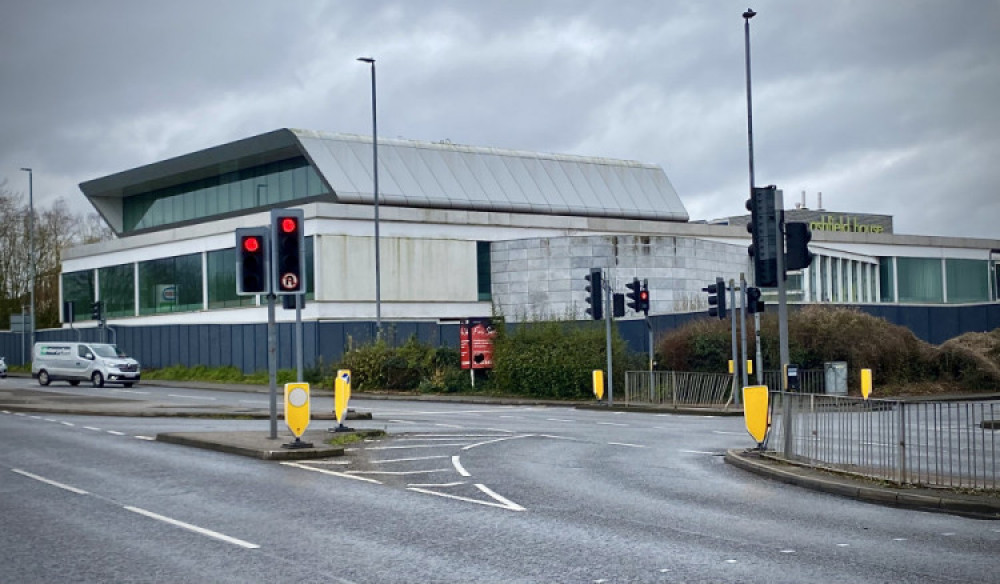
[505, 501]
[92, 429]
[787, 551]
[560, 437]
[129, 391]
[71, 424]
[330, 472]
[501, 439]
[626, 444]
[410, 459]
[50, 482]
[729, 433]
[428, 485]
[401, 422]
[458, 466]
[395, 472]
[449, 426]
[149, 438]
[697, 452]
[558, 420]
[49, 419]
[502, 502]
[413, 446]
[192, 397]
[612, 424]
[18, 414]
[116, 433]
[194, 528]
[333, 462]
[500, 430]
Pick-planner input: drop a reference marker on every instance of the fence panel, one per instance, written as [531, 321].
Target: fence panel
[676, 388]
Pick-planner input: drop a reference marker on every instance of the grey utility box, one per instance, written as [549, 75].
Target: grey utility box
[835, 377]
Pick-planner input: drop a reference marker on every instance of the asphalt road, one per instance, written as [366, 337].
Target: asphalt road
[457, 493]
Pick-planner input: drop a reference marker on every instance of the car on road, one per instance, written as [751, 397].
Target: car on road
[3, 367]
[99, 363]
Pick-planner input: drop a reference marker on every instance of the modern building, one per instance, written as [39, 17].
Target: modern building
[464, 232]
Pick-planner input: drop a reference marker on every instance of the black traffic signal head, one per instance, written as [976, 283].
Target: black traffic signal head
[633, 295]
[595, 295]
[754, 303]
[717, 298]
[252, 261]
[644, 298]
[798, 237]
[288, 251]
[617, 305]
[96, 311]
[765, 231]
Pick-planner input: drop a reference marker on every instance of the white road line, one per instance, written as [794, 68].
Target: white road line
[571, 439]
[411, 459]
[458, 466]
[428, 485]
[194, 528]
[395, 472]
[50, 420]
[452, 436]
[626, 444]
[422, 439]
[116, 433]
[696, 452]
[71, 424]
[192, 397]
[149, 438]
[612, 424]
[501, 439]
[50, 482]
[333, 462]
[413, 446]
[92, 429]
[500, 430]
[558, 420]
[330, 472]
[129, 391]
[729, 433]
[506, 504]
[18, 414]
[448, 426]
[401, 422]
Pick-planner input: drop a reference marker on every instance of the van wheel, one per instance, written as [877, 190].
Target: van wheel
[75, 382]
[97, 379]
[43, 377]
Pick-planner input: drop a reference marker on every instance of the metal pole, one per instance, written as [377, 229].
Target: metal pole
[31, 247]
[746, 32]
[782, 286]
[760, 359]
[732, 327]
[298, 337]
[378, 267]
[608, 306]
[272, 365]
[743, 329]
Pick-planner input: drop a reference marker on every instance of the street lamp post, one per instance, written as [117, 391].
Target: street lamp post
[31, 248]
[378, 267]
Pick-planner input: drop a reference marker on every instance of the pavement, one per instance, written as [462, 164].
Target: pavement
[980, 505]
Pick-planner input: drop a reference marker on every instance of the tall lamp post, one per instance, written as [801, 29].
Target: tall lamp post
[31, 248]
[378, 267]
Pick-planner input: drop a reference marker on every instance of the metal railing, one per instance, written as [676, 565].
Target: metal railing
[925, 443]
[812, 380]
[676, 388]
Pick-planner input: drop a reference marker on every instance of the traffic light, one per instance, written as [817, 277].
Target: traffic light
[617, 305]
[288, 251]
[595, 296]
[798, 237]
[644, 299]
[633, 295]
[96, 312]
[765, 231]
[252, 261]
[717, 298]
[754, 303]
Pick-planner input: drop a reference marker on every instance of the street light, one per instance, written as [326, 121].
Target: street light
[31, 247]
[378, 267]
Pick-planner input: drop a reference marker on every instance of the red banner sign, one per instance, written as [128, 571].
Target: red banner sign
[478, 338]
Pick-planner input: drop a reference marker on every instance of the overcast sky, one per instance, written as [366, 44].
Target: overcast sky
[885, 107]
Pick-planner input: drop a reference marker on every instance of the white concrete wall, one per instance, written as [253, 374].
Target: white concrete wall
[412, 270]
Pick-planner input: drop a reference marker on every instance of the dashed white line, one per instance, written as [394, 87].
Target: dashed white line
[558, 420]
[626, 444]
[458, 466]
[409, 446]
[502, 502]
[430, 485]
[448, 425]
[697, 452]
[50, 420]
[330, 472]
[149, 438]
[612, 424]
[92, 428]
[194, 528]
[395, 472]
[501, 439]
[410, 459]
[50, 482]
[71, 424]
[116, 433]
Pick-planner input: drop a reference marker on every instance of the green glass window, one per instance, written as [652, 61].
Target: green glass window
[78, 288]
[222, 280]
[968, 280]
[310, 269]
[885, 280]
[259, 186]
[170, 285]
[920, 280]
[483, 269]
[117, 284]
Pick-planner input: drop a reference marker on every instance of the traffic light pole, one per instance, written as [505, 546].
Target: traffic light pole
[607, 337]
[743, 329]
[272, 365]
[732, 327]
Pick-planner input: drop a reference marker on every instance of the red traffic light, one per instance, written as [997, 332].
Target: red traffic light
[644, 295]
[289, 224]
[251, 244]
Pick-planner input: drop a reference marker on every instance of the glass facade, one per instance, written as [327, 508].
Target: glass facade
[170, 284]
[117, 290]
[968, 280]
[886, 280]
[78, 288]
[920, 280]
[260, 186]
[221, 266]
[483, 270]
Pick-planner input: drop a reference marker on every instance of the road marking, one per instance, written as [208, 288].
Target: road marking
[192, 397]
[411, 459]
[452, 436]
[730, 561]
[413, 446]
[149, 438]
[401, 422]
[626, 444]
[788, 551]
[442, 485]
[50, 482]
[729, 433]
[558, 420]
[500, 430]
[502, 502]
[18, 414]
[50, 420]
[395, 472]
[458, 466]
[697, 452]
[194, 528]
[330, 472]
[92, 429]
[71, 424]
[843, 545]
[129, 391]
[560, 437]
[448, 426]
[612, 424]
[116, 433]
[254, 401]
[948, 534]
[899, 539]
[333, 462]
[496, 440]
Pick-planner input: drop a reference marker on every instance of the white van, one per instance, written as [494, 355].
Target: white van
[75, 362]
